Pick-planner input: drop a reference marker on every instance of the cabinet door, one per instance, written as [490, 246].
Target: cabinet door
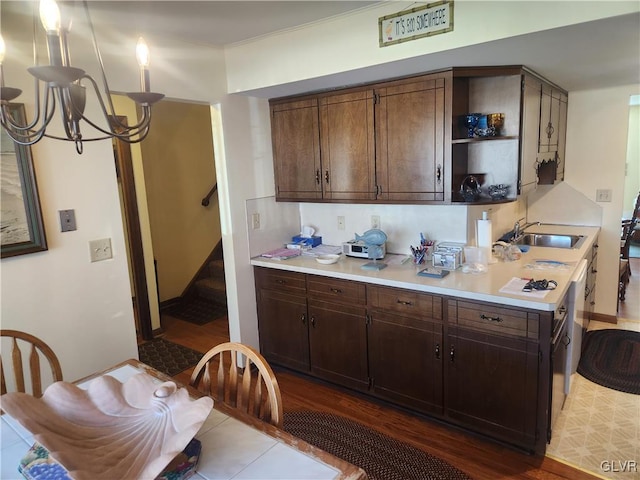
[295, 135]
[410, 125]
[405, 361]
[549, 119]
[282, 326]
[348, 146]
[562, 136]
[531, 98]
[492, 385]
[338, 343]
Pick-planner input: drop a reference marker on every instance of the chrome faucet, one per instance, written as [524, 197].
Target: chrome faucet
[518, 230]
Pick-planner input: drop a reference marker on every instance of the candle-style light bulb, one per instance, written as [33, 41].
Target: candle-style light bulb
[50, 15]
[3, 49]
[142, 54]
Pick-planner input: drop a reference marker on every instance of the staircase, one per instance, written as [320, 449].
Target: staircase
[206, 296]
[209, 284]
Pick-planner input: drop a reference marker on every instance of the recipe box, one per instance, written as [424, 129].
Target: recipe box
[447, 255]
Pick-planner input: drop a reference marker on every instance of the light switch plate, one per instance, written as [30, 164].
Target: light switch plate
[603, 195]
[100, 249]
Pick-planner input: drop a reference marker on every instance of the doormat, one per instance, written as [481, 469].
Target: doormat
[380, 456]
[168, 357]
[611, 358]
[197, 311]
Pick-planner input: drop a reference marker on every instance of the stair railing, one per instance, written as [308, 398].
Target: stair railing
[205, 200]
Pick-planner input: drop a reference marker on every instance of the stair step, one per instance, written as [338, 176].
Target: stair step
[212, 289]
[216, 268]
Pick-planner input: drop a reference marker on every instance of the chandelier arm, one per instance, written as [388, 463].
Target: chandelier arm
[107, 90]
[28, 135]
[112, 119]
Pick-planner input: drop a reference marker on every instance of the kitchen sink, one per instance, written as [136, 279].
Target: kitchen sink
[551, 240]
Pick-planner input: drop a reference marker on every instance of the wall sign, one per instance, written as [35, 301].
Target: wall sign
[430, 19]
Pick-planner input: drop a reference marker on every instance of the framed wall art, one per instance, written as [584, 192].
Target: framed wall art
[21, 227]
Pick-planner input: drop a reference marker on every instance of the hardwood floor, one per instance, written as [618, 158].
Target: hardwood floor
[480, 459]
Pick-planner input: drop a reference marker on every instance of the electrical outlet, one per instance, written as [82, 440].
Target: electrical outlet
[340, 223]
[603, 195]
[255, 221]
[375, 221]
[100, 250]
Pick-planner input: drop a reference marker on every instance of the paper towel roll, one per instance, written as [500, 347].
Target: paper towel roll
[484, 238]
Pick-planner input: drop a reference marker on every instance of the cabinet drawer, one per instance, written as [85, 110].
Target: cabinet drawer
[335, 290]
[405, 302]
[494, 319]
[270, 279]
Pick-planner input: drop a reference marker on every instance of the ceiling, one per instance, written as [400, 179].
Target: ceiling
[591, 55]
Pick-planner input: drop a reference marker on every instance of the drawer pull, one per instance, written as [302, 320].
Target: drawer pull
[452, 353]
[336, 290]
[403, 302]
[304, 319]
[313, 321]
[493, 319]
[438, 351]
[281, 282]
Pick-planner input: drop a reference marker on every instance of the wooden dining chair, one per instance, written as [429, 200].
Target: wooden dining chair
[253, 389]
[36, 348]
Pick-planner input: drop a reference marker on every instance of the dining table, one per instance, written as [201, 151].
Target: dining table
[234, 445]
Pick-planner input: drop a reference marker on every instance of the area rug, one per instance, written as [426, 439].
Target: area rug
[380, 456]
[196, 311]
[168, 357]
[611, 358]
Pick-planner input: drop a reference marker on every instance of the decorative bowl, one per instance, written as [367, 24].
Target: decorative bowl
[498, 192]
[471, 122]
[137, 427]
[327, 259]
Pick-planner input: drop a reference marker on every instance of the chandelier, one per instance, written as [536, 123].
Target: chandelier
[62, 88]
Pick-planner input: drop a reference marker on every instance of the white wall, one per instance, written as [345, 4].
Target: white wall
[597, 160]
[83, 310]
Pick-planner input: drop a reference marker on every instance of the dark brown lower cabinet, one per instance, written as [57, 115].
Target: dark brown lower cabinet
[338, 343]
[405, 361]
[481, 366]
[492, 384]
[284, 336]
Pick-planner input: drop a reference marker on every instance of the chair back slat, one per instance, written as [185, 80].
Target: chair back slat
[36, 350]
[256, 392]
[34, 367]
[3, 385]
[18, 372]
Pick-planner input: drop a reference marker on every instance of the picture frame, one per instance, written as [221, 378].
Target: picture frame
[21, 225]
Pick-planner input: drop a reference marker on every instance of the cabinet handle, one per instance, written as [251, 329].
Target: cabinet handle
[403, 302]
[336, 290]
[593, 270]
[318, 177]
[304, 319]
[493, 319]
[326, 176]
[313, 321]
[438, 351]
[452, 353]
[566, 340]
[438, 173]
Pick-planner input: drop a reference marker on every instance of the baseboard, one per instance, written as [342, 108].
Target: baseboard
[169, 303]
[601, 317]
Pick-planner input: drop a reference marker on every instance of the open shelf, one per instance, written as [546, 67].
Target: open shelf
[484, 139]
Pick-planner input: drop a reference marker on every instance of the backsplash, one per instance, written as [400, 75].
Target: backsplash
[279, 221]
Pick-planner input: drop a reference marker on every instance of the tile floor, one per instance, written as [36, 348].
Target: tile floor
[598, 429]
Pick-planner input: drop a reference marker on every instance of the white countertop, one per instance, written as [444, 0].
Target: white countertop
[482, 286]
